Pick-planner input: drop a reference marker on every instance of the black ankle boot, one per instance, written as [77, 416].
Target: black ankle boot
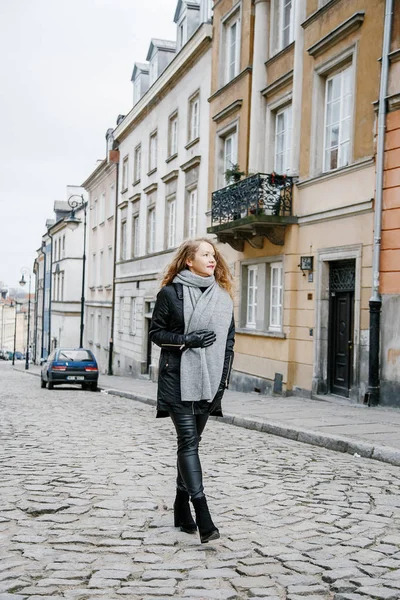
[207, 529]
[182, 515]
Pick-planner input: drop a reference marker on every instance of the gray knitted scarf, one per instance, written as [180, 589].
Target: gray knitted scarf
[201, 368]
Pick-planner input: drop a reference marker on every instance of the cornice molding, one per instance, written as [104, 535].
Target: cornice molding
[337, 213]
[123, 204]
[337, 34]
[278, 84]
[193, 162]
[316, 14]
[135, 197]
[170, 176]
[150, 188]
[228, 110]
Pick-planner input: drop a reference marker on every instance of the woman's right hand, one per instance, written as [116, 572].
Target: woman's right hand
[200, 339]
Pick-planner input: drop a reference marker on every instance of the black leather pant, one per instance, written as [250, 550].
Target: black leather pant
[189, 429]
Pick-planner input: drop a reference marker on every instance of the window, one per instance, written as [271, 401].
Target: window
[99, 329]
[138, 161]
[153, 152]
[125, 166]
[110, 270]
[102, 212]
[132, 324]
[94, 267]
[252, 273]
[135, 236]
[122, 251]
[153, 69]
[194, 118]
[151, 230]
[262, 296]
[111, 200]
[338, 120]
[95, 212]
[136, 90]
[91, 326]
[286, 22]
[55, 249]
[101, 266]
[107, 332]
[63, 246]
[192, 220]
[283, 138]
[275, 313]
[232, 48]
[171, 223]
[173, 135]
[121, 314]
[229, 155]
[182, 33]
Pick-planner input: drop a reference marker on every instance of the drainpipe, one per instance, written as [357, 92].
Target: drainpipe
[111, 344]
[375, 303]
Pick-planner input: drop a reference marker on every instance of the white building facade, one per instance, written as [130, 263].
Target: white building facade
[163, 177]
[101, 187]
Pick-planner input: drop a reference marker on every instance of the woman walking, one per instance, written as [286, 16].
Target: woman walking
[193, 324]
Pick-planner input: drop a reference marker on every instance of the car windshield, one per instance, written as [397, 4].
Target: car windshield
[75, 355]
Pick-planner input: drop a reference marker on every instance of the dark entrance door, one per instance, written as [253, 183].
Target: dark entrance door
[340, 345]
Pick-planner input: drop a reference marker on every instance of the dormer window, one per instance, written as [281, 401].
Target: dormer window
[182, 33]
[136, 90]
[153, 71]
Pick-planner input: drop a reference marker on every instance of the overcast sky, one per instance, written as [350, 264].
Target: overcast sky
[65, 76]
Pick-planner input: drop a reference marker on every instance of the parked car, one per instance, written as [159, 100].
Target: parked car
[70, 365]
[19, 356]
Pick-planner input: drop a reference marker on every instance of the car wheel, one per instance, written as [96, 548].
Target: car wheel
[42, 383]
[50, 385]
[93, 387]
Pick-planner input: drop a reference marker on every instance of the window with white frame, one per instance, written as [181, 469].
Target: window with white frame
[135, 236]
[251, 314]
[182, 33]
[136, 90]
[171, 227]
[286, 22]
[63, 246]
[192, 214]
[110, 267]
[62, 274]
[138, 163]
[153, 151]
[94, 269]
[276, 293]
[153, 69]
[121, 313]
[101, 267]
[125, 167]
[122, 250]
[262, 296]
[232, 47]
[173, 135]
[132, 321]
[95, 212]
[151, 230]
[99, 329]
[338, 120]
[229, 152]
[102, 214]
[194, 118]
[283, 140]
[111, 201]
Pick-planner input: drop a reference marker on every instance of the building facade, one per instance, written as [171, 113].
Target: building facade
[101, 187]
[301, 218]
[162, 199]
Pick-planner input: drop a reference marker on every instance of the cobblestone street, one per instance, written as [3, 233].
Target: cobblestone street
[86, 493]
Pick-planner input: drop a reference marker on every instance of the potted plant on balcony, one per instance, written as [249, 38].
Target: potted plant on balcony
[234, 174]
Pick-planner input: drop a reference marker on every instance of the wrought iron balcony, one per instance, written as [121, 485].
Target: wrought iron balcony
[251, 209]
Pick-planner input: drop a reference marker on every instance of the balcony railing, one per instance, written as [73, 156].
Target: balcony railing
[252, 209]
[261, 194]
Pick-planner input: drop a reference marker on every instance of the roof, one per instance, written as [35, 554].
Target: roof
[181, 3]
[165, 45]
[62, 205]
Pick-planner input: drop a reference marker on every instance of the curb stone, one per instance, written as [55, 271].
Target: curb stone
[357, 448]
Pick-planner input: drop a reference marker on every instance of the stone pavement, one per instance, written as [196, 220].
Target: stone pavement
[333, 423]
[87, 485]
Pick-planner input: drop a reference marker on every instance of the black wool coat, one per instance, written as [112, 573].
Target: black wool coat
[167, 331]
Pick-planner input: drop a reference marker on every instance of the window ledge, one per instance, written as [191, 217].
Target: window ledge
[108, 287]
[362, 164]
[151, 171]
[101, 224]
[97, 345]
[136, 182]
[172, 157]
[279, 53]
[272, 334]
[120, 331]
[124, 190]
[192, 143]
[132, 333]
[90, 342]
[110, 218]
[99, 287]
[94, 227]
[92, 288]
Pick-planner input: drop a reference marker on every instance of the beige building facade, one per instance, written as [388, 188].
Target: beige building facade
[299, 220]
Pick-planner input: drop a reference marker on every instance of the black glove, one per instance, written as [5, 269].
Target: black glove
[200, 339]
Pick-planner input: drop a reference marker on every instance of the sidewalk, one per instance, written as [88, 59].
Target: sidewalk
[332, 423]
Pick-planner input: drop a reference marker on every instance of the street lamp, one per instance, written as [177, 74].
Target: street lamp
[73, 222]
[22, 282]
